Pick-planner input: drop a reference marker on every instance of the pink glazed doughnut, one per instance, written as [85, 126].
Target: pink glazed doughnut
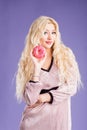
[39, 51]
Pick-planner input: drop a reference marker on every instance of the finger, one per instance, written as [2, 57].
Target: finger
[33, 58]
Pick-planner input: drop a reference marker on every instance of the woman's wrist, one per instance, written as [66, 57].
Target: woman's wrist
[37, 71]
[35, 77]
[36, 74]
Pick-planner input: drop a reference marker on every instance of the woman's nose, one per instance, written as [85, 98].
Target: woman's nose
[49, 36]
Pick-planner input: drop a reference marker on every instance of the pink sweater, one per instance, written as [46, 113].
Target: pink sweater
[48, 116]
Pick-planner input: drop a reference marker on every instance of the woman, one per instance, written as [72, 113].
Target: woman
[46, 84]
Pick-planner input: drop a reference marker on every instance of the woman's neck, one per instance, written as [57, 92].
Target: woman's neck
[49, 53]
[48, 59]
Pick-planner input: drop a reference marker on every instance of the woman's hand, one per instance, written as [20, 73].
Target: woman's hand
[44, 98]
[38, 62]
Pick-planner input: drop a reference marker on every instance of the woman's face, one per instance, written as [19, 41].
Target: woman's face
[48, 36]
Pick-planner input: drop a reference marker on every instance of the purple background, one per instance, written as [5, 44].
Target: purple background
[16, 17]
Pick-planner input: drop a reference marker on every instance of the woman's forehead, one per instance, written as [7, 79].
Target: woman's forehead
[50, 26]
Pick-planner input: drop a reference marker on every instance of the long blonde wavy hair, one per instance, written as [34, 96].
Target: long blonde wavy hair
[63, 56]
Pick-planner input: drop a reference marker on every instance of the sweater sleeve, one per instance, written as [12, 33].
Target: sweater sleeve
[65, 90]
[31, 92]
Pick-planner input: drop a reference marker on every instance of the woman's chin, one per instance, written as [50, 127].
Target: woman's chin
[48, 46]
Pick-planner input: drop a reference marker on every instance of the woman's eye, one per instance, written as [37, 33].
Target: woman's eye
[45, 32]
[53, 32]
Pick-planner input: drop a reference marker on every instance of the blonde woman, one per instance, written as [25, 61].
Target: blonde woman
[46, 84]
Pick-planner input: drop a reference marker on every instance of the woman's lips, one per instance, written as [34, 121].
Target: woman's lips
[49, 42]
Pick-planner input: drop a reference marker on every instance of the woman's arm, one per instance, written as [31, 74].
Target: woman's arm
[65, 90]
[32, 91]
[34, 86]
